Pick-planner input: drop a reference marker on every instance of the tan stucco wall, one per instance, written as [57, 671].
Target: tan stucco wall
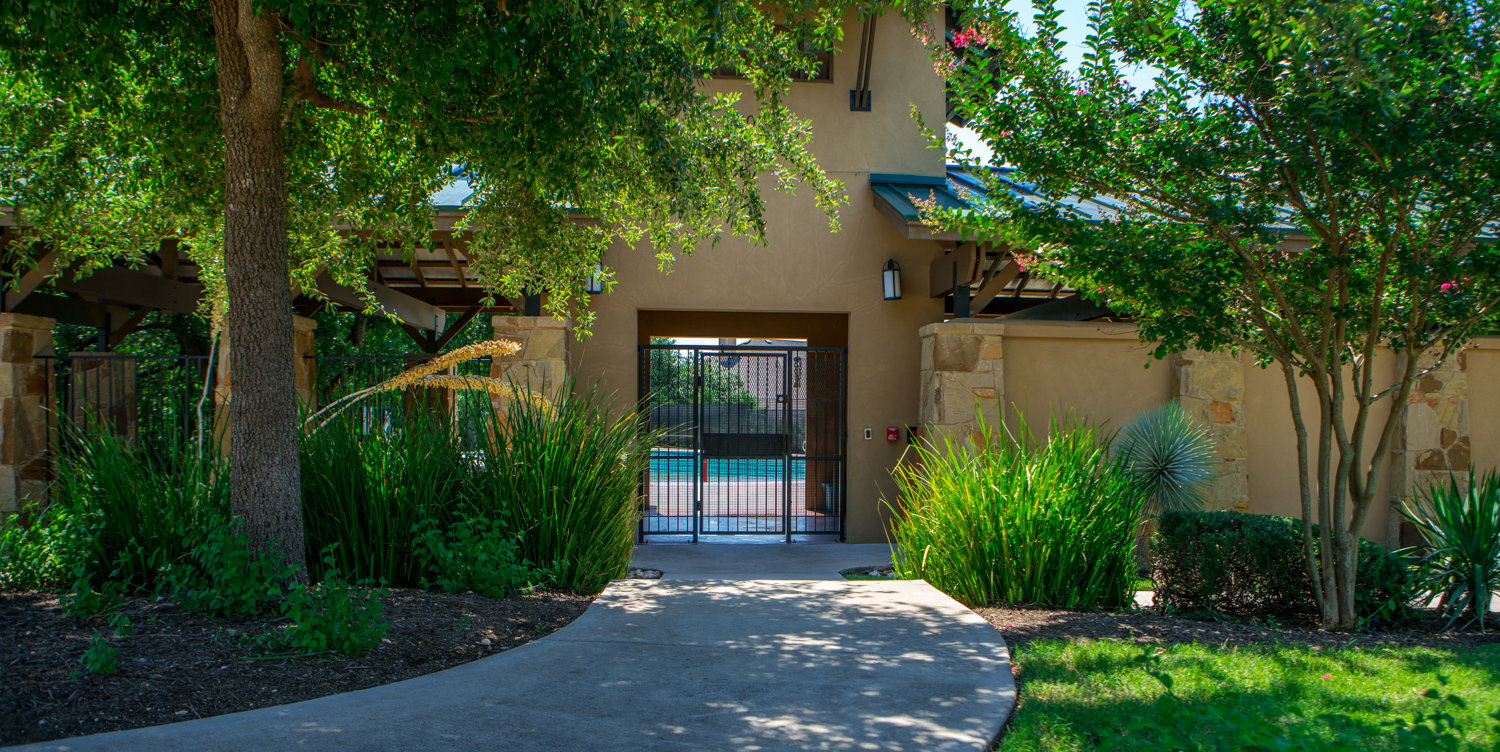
[804, 268]
[1483, 361]
[1089, 370]
[1274, 486]
[1099, 372]
[884, 139]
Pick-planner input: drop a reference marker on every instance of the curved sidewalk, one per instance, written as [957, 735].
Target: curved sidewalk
[675, 664]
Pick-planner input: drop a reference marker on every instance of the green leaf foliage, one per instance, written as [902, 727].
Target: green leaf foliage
[110, 134]
[1460, 553]
[1313, 183]
[1170, 455]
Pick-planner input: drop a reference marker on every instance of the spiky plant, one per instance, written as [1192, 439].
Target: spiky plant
[1460, 553]
[1170, 455]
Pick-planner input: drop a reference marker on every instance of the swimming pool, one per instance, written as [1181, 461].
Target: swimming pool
[684, 466]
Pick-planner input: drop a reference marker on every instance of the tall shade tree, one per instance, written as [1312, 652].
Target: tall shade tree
[1314, 183]
[254, 130]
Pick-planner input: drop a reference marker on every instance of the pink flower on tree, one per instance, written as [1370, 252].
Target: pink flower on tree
[965, 37]
[1448, 286]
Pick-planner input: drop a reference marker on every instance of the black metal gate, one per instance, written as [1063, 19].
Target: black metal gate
[752, 440]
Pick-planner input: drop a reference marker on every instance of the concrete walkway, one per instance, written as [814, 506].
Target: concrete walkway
[706, 659]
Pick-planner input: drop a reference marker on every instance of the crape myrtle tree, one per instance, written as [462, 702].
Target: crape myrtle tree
[1313, 183]
[255, 130]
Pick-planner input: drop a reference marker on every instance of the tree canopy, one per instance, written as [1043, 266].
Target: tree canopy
[1315, 183]
[280, 138]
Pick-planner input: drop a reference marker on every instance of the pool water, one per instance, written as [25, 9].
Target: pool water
[685, 467]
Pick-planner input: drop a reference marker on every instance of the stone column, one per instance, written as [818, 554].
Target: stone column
[305, 375]
[24, 429]
[1432, 439]
[963, 377]
[541, 364]
[101, 394]
[1210, 386]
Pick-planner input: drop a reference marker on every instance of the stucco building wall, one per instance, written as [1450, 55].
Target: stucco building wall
[1099, 371]
[805, 268]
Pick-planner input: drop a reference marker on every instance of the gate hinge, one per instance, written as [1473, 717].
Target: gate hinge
[698, 505]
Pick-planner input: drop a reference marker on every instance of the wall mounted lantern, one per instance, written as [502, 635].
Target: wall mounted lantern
[594, 283]
[891, 276]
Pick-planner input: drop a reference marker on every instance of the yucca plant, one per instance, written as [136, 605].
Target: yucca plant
[564, 478]
[1016, 520]
[1171, 457]
[1460, 552]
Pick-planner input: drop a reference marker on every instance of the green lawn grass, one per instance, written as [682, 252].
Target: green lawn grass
[1102, 695]
[1142, 583]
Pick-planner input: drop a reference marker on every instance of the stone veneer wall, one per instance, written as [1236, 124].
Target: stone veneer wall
[1433, 438]
[963, 377]
[1210, 386]
[24, 465]
[541, 364]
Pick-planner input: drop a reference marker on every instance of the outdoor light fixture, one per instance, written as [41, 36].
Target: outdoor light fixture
[891, 276]
[594, 284]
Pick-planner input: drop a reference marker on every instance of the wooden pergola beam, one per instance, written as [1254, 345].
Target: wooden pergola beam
[32, 279]
[407, 309]
[134, 287]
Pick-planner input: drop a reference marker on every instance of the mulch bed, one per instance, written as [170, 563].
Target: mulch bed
[1021, 625]
[176, 665]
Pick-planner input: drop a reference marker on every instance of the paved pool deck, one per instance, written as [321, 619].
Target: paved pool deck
[738, 647]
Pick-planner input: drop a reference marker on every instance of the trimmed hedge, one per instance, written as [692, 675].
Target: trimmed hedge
[1251, 566]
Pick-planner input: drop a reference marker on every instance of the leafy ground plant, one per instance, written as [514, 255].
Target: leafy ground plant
[477, 555]
[333, 615]
[1119, 695]
[1048, 522]
[1460, 553]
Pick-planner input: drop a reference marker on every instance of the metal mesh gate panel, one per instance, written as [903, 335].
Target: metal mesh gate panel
[752, 440]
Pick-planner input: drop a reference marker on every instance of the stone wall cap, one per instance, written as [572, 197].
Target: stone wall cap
[963, 326]
[530, 322]
[1108, 330]
[26, 321]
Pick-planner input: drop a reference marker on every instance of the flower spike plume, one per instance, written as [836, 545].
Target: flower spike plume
[429, 374]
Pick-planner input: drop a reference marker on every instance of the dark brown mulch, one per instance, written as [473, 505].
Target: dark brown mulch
[177, 665]
[1021, 625]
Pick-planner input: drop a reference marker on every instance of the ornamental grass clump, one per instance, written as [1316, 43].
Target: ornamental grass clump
[1019, 520]
[369, 490]
[1460, 553]
[137, 511]
[564, 478]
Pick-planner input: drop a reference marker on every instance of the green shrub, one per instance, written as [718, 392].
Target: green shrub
[1251, 565]
[564, 479]
[222, 574]
[475, 554]
[100, 657]
[1171, 457]
[43, 548]
[1048, 523]
[367, 489]
[333, 615]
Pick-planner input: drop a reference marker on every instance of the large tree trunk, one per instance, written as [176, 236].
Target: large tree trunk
[265, 483]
